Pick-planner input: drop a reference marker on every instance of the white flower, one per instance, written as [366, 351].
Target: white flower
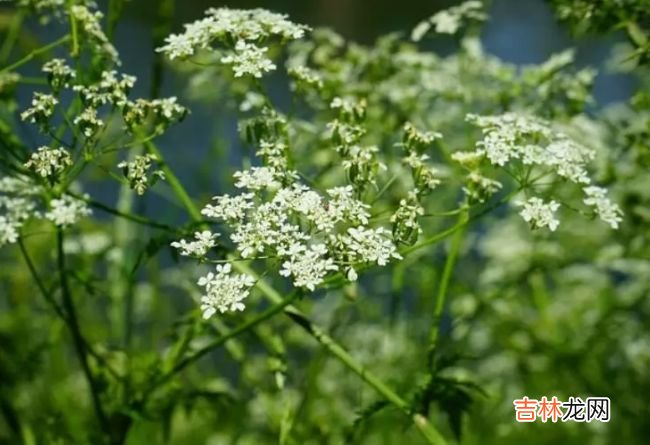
[448, 21]
[609, 212]
[257, 178]
[41, 110]
[202, 243]
[49, 161]
[229, 208]
[8, 230]
[136, 172]
[307, 266]
[88, 122]
[345, 207]
[511, 137]
[540, 214]
[67, 210]
[225, 25]
[90, 25]
[365, 245]
[224, 291]
[248, 59]
[59, 74]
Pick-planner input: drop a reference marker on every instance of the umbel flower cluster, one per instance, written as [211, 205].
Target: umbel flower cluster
[531, 145]
[308, 234]
[21, 201]
[247, 29]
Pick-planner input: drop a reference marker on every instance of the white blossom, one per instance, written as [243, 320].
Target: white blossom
[66, 211]
[91, 26]
[366, 245]
[307, 265]
[8, 230]
[224, 291]
[88, 122]
[540, 214]
[137, 170]
[41, 110]
[257, 178]
[248, 59]
[229, 208]
[59, 74]
[202, 243]
[606, 210]
[224, 24]
[48, 161]
[449, 21]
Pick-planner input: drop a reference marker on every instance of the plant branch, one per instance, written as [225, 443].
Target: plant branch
[77, 337]
[35, 53]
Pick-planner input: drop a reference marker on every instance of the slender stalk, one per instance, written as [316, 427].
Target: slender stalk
[450, 262]
[77, 337]
[56, 306]
[12, 36]
[35, 53]
[175, 184]
[74, 52]
[270, 312]
[125, 215]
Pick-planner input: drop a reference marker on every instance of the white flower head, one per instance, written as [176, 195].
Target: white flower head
[307, 265]
[540, 214]
[48, 161]
[606, 210]
[66, 211]
[202, 243]
[224, 291]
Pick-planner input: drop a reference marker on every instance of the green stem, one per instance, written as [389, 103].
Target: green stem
[35, 53]
[56, 307]
[126, 215]
[270, 312]
[175, 184]
[456, 242]
[74, 52]
[12, 36]
[77, 337]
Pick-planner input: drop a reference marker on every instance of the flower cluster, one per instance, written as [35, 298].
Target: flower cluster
[137, 171]
[67, 210]
[542, 151]
[540, 214]
[406, 227]
[415, 142]
[310, 234]
[606, 210]
[224, 291]
[246, 28]
[449, 21]
[200, 246]
[41, 110]
[17, 204]
[93, 33]
[110, 90]
[59, 74]
[48, 162]
[248, 59]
